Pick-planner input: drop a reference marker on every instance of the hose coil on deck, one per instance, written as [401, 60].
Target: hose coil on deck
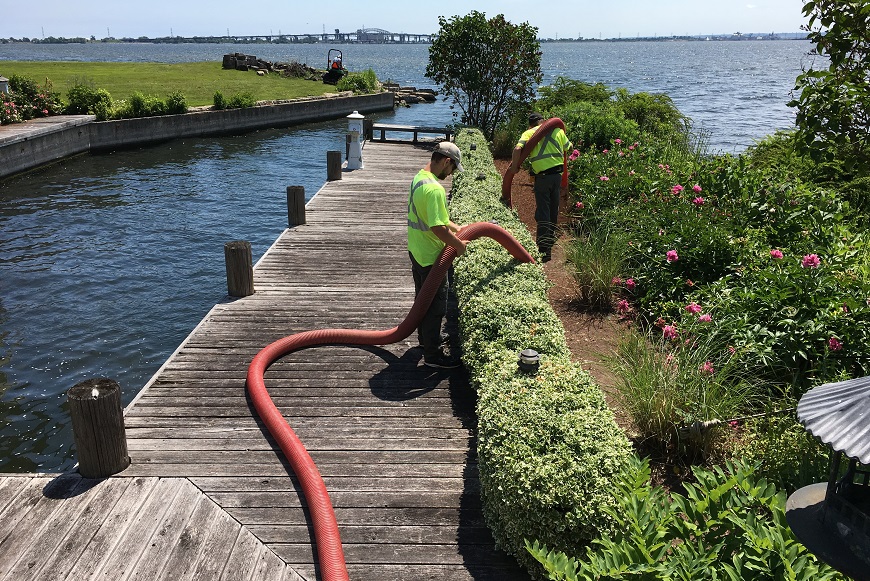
[329, 550]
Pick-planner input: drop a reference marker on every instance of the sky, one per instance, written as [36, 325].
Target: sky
[562, 19]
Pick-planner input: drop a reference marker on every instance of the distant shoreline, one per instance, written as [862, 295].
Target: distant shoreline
[311, 39]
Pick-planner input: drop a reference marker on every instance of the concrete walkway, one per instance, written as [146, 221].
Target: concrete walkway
[42, 126]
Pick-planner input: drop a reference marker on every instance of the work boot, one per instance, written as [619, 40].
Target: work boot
[442, 359]
[443, 341]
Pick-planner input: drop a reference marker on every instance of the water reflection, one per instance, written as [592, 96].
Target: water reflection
[107, 261]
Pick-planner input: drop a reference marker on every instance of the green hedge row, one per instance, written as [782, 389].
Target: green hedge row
[549, 450]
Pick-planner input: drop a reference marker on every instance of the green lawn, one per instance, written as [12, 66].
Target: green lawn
[196, 81]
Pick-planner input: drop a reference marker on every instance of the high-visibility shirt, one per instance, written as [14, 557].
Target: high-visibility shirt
[427, 207]
[549, 151]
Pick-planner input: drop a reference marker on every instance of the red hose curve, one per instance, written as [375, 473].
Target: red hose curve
[329, 549]
[544, 129]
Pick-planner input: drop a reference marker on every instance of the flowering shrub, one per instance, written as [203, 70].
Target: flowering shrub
[9, 112]
[27, 100]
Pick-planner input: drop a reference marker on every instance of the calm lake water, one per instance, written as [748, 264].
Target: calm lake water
[108, 261]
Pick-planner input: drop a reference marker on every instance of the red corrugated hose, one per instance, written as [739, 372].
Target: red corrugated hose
[326, 536]
[544, 129]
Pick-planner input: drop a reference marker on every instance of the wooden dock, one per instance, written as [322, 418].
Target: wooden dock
[394, 440]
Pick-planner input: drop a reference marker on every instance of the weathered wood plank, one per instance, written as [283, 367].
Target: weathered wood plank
[393, 440]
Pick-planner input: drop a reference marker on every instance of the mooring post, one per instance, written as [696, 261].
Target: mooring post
[240, 270]
[296, 205]
[98, 427]
[333, 165]
[368, 129]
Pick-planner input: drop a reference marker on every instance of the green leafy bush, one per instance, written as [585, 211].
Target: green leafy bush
[565, 91]
[548, 446]
[220, 102]
[782, 449]
[241, 101]
[654, 114]
[596, 125]
[176, 103]
[363, 83]
[730, 525]
[85, 99]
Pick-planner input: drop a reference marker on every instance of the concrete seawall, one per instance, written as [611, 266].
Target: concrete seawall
[29, 145]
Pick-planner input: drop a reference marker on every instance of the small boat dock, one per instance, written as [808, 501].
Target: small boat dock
[208, 494]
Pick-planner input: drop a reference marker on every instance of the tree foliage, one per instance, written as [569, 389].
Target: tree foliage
[485, 65]
[833, 105]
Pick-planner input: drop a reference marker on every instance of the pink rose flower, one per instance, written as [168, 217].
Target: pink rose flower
[630, 284]
[604, 178]
[705, 318]
[834, 344]
[776, 254]
[677, 189]
[622, 306]
[696, 188]
[670, 332]
[672, 256]
[693, 308]
[811, 261]
[617, 141]
[579, 205]
[699, 201]
[606, 151]
[707, 368]
[616, 281]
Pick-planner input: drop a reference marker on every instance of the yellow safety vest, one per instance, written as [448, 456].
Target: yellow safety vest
[427, 207]
[549, 151]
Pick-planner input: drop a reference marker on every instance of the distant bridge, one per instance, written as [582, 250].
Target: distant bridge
[363, 35]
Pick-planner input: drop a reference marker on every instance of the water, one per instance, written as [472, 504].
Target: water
[108, 261]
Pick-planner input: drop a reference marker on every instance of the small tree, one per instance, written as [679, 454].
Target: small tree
[833, 106]
[484, 65]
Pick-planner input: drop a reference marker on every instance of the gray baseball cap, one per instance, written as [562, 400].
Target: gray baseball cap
[450, 150]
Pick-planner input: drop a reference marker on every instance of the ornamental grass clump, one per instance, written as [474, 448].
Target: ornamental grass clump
[548, 446]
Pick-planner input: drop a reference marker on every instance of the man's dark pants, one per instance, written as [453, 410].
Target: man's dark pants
[429, 331]
[547, 209]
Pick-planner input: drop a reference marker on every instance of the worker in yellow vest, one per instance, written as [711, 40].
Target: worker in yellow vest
[546, 159]
[429, 231]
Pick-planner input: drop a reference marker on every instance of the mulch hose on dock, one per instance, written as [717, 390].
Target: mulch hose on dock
[329, 550]
[543, 130]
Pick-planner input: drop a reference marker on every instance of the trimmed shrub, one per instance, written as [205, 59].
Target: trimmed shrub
[548, 446]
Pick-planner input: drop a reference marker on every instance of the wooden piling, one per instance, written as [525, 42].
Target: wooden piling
[296, 205]
[240, 270]
[368, 129]
[98, 427]
[333, 165]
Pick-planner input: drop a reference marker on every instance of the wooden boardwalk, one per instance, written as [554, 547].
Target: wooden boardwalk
[394, 440]
[68, 527]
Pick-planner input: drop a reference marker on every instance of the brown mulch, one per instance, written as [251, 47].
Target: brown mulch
[591, 336]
